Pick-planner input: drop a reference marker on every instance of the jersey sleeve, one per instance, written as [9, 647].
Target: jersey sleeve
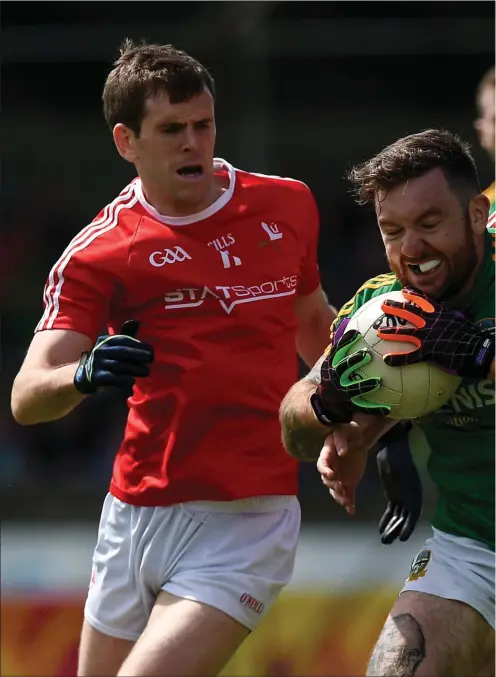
[309, 269]
[373, 287]
[80, 287]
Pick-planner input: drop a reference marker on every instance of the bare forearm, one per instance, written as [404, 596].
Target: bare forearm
[373, 428]
[42, 395]
[302, 435]
[313, 337]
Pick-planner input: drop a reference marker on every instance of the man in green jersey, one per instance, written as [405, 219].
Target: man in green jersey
[433, 221]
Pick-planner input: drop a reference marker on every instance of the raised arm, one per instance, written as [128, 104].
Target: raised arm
[303, 434]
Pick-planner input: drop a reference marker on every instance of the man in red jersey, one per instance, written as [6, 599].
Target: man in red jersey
[202, 278]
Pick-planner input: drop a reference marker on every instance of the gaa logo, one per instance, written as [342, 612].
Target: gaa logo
[159, 259]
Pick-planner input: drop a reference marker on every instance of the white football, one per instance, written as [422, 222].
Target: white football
[412, 391]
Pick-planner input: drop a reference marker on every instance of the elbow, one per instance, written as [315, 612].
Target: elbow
[19, 406]
[20, 413]
[291, 448]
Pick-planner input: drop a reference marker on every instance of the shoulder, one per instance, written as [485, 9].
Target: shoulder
[374, 287]
[490, 193]
[112, 230]
[276, 187]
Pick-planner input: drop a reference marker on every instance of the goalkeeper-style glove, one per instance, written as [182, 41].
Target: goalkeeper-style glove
[439, 335]
[341, 390]
[115, 360]
[401, 483]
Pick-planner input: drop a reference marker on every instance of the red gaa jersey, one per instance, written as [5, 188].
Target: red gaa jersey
[215, 294]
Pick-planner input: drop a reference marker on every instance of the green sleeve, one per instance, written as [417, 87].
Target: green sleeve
[373, 287]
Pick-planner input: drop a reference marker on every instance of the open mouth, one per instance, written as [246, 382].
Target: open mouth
[425, 267]
[190, 171]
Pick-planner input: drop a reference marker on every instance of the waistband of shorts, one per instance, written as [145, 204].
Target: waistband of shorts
[252, 504]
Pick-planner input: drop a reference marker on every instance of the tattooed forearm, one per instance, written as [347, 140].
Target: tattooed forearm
[400, 649]
[302, 435]
[304, 444]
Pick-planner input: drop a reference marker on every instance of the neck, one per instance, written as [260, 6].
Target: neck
[167, 205]
[470, 281]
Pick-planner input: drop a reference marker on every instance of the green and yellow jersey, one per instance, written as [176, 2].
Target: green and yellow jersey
[460, 434]
[490, 193]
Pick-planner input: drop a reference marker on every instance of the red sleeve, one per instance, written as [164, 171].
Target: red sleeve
[309, 269]
[80, 287]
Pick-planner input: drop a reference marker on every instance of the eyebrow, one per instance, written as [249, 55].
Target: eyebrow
[432, 211]
[178, 123]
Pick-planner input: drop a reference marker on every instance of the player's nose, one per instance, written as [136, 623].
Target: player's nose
[190, 140]
[412, 244]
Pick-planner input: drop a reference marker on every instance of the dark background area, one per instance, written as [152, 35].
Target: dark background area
[305, 89]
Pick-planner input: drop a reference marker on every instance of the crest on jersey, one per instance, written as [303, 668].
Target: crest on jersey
[272, 230]
[419, 565]
[175, 255]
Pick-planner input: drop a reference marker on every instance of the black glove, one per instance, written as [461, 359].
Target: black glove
[114, 361]
[402, 486]
[438, 335]
[341, 389]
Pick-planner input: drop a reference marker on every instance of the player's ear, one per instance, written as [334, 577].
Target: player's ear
[124, 139]
[478, 210]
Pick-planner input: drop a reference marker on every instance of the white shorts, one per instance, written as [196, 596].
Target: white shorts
[235, 556]
[458, 568]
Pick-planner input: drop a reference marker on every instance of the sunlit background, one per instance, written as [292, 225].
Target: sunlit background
[304, 90]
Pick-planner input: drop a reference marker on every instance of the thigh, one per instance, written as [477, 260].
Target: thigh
[225, 577]
[101, 655]
[118, 604]
[428, 636]
[239, 562]
[442, 624]
[455, 568]
[184, 637]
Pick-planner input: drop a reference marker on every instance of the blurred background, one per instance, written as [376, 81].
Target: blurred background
[305, 89]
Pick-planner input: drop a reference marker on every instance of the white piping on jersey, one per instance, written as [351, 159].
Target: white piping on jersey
[108, 220]
[275, 176]
[193, 218]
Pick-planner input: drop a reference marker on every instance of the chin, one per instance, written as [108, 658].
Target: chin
[192, 194]
[434, 291]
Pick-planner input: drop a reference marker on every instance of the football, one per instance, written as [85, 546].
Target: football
[412, 391]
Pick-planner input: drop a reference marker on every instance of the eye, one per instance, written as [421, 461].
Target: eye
[172, 129]
[203, 124]
[430, 226]
[391, 234]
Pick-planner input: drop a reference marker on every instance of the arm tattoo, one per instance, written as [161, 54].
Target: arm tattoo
[400, 649]
[302, 443]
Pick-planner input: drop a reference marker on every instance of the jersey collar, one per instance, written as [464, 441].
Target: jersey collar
[216, 206]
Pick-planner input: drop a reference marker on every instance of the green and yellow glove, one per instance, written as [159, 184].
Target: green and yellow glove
[341, 390]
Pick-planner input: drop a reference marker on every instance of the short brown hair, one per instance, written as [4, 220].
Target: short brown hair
[411, 157]
[145, 71]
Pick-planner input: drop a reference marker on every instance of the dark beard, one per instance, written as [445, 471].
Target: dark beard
[462, 266]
